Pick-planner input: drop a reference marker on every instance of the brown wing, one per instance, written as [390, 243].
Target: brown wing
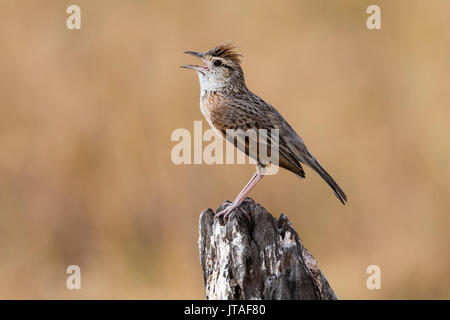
[247, 110]
[238, 114]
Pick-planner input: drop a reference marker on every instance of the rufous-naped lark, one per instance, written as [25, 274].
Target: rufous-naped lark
[228, 104]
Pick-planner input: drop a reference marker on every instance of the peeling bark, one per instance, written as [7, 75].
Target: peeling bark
[259, 259]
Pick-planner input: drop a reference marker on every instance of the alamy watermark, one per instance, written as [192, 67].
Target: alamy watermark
[374, 20]
[73, 21]
[374, 280]
[74, 280]
[261, 146]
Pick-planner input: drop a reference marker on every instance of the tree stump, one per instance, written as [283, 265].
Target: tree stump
[259, 259]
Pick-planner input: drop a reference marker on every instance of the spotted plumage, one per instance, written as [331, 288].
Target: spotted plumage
[227, 103]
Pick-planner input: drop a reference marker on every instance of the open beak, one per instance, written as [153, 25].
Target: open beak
[199, 55]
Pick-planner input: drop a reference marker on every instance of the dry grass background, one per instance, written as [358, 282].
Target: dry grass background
[86, 118]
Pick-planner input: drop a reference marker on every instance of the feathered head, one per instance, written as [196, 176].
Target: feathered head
[226, 51]
[222, 67]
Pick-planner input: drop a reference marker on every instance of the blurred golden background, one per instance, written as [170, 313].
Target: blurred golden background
[86, 118]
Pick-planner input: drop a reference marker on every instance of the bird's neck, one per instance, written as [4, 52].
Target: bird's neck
[231, 87]
[207, 88]
[206, 85]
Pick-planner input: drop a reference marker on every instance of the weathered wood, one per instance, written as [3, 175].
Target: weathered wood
[259, 259]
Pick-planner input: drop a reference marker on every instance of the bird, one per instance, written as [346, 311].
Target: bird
[227, 104]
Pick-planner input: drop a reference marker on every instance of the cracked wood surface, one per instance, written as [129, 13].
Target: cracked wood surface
[259, 259]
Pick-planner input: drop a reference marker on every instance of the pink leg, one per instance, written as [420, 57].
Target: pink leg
[241, 196]
[249, 184]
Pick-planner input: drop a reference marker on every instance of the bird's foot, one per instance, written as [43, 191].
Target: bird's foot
[230, 207]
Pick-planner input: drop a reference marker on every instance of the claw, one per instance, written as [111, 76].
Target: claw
[245, 213]
[225, 212]
[230, 207]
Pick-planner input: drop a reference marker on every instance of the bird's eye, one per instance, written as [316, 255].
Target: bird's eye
[217, 63]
